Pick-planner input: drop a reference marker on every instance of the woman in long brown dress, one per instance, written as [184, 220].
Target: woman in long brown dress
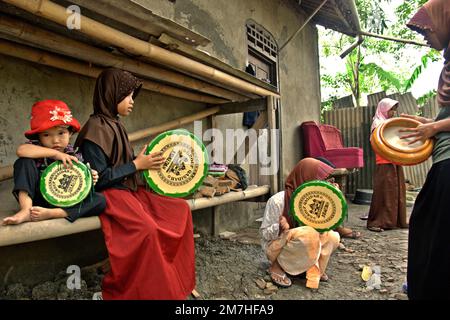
[388, 206]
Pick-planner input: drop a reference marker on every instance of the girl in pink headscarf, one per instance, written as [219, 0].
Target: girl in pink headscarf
[388, 206]
[386, 109]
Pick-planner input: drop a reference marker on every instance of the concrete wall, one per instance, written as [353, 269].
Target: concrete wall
[24, 83]
[223, 22]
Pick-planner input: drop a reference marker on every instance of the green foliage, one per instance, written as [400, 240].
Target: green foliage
[365, 68]
[405, 11]
[426, 97]
[386, 79]
[372, 16]
[431, 55]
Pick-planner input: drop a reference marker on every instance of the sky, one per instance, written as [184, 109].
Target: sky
[426, 82]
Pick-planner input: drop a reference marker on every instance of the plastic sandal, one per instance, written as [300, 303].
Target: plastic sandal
[375, 229]
[278, 282]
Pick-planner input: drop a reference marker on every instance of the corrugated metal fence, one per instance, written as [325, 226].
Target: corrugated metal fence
[355, 123]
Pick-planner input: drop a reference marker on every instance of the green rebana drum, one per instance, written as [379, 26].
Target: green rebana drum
[185, 167]
[318, 204]
[65, 187]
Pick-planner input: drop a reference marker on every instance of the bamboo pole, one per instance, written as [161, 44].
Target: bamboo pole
[49, 229]
[271, 117]
[94, 29]
[76, 49]
[250, 192]
[380, 36]
[140, 134]
[303, 25]
[53, 60]
[6, 172]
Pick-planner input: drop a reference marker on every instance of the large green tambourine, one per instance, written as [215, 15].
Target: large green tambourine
[318, 204]
[65, 187]
[185, 167]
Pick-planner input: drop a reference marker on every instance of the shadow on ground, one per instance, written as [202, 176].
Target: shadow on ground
[230, 269]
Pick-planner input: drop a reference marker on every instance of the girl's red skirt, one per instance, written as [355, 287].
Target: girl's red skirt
[150, 244]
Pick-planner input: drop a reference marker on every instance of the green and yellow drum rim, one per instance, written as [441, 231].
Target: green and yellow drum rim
[65, 187]
[182, 178]
[318, 204]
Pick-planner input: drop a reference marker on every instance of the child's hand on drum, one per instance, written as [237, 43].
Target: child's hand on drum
[94, 173]
[65, 158]
[94, 176]
[151, 161]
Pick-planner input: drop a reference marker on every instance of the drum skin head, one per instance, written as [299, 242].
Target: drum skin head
[185, 167]
[390, 135]
[318, 204]
[389, 147]
[65, 187]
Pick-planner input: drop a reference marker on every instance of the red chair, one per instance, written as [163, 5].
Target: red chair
[325, 141]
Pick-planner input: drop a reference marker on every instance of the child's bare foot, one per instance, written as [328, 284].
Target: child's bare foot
[40, 213]
[20, 217]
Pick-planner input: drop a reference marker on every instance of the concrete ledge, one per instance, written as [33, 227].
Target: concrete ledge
[33, 231]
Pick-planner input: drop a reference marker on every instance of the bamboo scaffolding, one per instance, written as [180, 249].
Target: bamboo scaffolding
[250, 192]
[6, 172]
[380, 36]
[144, 133]
[76, 49]
[53, 60]
[49, 229]
[97, 30]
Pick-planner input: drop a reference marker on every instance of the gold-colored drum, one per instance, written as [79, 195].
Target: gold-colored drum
[386, 142]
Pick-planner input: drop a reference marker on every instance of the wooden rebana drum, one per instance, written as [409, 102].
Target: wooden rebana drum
[386, 142]
[185, 167]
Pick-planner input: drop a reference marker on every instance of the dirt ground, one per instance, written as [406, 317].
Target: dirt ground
[230, 269]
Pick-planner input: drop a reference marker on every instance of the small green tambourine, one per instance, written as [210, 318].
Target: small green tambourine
[65, 187]
[318, 204]
[185, 167]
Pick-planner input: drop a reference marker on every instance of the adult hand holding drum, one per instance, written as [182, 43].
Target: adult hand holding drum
[423, 131]
[392, 141]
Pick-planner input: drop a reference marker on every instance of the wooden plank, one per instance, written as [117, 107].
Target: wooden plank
[271, 118]
[261, 122]
[212, 61]
[214, 224]
[140, 17]
[280, 150]
[243, 106]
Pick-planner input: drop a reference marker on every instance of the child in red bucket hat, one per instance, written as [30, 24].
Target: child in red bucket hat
[47, 114]
[52, 125]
